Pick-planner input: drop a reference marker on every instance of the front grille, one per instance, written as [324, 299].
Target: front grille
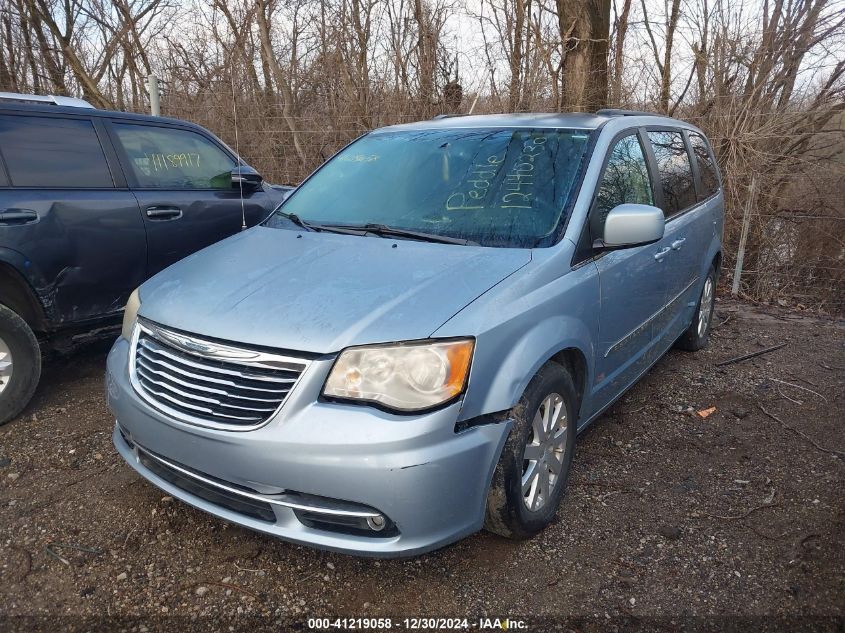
[210, 383]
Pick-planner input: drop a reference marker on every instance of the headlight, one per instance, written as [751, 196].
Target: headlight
[130, 314]
[405, 376]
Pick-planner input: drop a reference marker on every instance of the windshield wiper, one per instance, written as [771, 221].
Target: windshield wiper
[313, 226]
[392, 231]
[298, 221]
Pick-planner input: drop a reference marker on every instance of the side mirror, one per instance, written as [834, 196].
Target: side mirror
[632, 225]
[246, 178]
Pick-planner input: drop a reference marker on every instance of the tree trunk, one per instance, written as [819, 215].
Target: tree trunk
[278, 73]
[584, 29]
[618, 50]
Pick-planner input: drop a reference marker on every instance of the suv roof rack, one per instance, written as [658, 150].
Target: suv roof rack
[445, 116]
[620, 112]
[71, 102]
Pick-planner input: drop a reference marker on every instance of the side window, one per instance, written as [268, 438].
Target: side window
[625, 179]
[53, 152]
[706, 166]
[169, 158]
[673, 165]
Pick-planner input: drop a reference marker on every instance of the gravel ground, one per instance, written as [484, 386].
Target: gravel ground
[672, 520]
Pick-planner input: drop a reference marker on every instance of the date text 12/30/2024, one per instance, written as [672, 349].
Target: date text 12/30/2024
[411, 624]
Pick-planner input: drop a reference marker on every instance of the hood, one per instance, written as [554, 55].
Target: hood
[321, 292]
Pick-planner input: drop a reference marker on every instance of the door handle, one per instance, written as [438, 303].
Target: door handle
[14, 216]
[661, 254]
[676, 245]
[164, 213]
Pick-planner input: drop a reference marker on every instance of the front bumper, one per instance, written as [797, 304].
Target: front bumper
[429, 481]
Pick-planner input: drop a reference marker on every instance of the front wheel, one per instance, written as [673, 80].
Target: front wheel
[20, 364]
[697, 334]
[533, 469]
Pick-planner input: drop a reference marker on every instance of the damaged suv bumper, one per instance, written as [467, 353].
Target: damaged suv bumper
[339, 477]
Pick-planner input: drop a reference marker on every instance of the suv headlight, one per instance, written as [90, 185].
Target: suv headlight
[409, 376]
[130, 314]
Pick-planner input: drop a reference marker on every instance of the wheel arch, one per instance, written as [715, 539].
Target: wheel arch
[505, 367]
[19, 296]
[717, 262]
[575, 361]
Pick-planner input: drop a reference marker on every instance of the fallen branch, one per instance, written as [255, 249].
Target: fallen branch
[783, 382]
[766, 536]
[839, 454]
[51, 548]
[56, 555]
[739, 359]
[829, 368]
[728, 318]
[785, 397]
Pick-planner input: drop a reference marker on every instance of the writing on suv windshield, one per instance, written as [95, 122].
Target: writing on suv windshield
[503, 187]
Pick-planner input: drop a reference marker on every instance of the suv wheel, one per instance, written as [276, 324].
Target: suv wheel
[20, 364]
[533, 469]
[698, 333]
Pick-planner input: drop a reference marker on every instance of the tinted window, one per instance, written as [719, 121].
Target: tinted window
[50, 152]
[706, 167]
[168, 158]
[498, 187]
[625, 179]
[673, 165]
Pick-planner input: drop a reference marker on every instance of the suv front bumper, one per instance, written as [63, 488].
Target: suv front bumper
[428, 481]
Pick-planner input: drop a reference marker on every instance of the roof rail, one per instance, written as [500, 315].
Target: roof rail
[620, 112]
[445, 116]
[71, 102]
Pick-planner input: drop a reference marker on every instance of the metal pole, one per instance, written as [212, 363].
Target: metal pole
[746, 221]
[474, 101]
[155, 98]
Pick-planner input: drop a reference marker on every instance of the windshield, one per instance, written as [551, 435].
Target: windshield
[503, 187]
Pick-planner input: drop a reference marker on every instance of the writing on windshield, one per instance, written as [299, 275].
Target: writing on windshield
[502, 187]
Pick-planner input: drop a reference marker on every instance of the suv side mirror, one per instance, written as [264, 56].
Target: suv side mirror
[632, 225]
[244, 176]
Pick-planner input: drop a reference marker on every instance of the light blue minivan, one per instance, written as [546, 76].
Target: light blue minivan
[405, 350]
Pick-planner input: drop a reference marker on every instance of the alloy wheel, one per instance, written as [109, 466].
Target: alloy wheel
[706, 307]
[544, 453]
[5, 365]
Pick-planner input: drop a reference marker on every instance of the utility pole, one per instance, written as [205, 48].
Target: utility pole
[155, 97]
[746, 221]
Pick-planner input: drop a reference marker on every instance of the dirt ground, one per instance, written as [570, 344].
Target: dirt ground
[672, 520]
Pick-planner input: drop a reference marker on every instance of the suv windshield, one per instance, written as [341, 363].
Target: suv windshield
[502, 187]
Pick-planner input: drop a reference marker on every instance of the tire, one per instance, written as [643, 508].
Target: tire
[697, 335]
[508, 512]
[20, 364]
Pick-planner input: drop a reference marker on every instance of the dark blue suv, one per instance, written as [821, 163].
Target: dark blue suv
[92, 203]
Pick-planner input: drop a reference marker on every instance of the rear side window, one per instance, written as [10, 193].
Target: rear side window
[706, 167]
[673, 165]
[625, 179]
[52, 152]
[169, 158]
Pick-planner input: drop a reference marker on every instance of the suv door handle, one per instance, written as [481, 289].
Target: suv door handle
[164, 213]
[661, 254]
[14, 216]
[676, 245]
